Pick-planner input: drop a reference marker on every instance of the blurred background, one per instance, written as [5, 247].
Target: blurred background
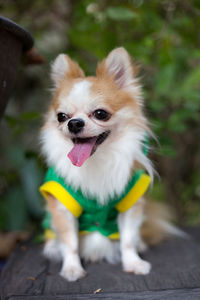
[163, 37]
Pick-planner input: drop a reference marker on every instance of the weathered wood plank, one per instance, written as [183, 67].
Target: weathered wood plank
[176, 265]
[183, 294]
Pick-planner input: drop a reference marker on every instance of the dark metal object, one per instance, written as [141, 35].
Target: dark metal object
[14, 40]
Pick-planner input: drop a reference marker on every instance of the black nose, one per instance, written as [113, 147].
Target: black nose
[76, 125]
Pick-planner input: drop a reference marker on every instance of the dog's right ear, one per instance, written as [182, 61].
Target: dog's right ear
[63, 67]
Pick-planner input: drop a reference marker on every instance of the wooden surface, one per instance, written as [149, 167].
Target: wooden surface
[175, 275]
[183, 294]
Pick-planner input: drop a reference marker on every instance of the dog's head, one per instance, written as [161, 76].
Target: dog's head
[95, 113]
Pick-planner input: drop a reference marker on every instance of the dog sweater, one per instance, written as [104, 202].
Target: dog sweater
[91, 215]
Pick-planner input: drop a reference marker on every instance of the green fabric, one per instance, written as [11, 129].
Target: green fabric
[95, 217]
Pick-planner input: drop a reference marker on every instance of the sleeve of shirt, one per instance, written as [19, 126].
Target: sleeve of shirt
[54, 187]
[134, 194]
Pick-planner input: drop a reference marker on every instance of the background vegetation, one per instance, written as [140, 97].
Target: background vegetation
[163, 37]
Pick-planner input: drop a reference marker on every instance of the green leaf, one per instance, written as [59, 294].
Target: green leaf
[167, 150]
[192, 80]
[120, 13]
[158, 191]
[12, 121]
[165, 80]
[31, 178]
[157, 105]
[29, 116]
[176, 124]
[15, 210]
[39, 238]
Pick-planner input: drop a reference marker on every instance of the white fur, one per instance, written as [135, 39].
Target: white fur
[112, 161]
[96, 247]
[115, 157]
[119, 66]
[79, 94]
[59, 69]
[77, 98]
[51, 249]
[103, 175]
[129, 226]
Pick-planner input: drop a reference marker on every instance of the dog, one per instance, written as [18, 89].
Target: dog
[95, 142]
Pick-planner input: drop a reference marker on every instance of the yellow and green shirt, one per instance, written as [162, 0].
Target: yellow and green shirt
[91, 215]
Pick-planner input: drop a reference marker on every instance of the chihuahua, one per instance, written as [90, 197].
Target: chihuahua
[95, 141]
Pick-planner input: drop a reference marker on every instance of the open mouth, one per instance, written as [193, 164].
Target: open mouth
[85, 147]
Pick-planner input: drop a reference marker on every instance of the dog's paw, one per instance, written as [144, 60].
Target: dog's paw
[51, 250]
[73, 273]
[138, 267]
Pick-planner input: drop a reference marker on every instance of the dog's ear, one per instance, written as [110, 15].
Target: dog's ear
[63, 67]
[119, 67]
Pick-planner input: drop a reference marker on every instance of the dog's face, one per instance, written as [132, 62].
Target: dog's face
[94, 112]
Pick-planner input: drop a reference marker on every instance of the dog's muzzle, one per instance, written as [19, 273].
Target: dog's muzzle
[76, 125]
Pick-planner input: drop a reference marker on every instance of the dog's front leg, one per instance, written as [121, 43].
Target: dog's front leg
[66, 228]
[129, 227]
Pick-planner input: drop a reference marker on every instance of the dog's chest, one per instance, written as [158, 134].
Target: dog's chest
[100, 181]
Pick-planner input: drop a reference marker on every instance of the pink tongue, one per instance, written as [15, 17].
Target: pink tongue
[81, 151]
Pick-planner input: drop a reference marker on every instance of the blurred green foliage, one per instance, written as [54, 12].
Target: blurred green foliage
[163, 38]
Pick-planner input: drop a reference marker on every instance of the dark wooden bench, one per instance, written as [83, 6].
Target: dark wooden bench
[175, 275]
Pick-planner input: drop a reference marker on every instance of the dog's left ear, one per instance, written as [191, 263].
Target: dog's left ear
[119, 67]
[64, 67]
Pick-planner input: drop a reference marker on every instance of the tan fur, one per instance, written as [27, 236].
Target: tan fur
[101, 70]
[74, 70]
[64, 89]
[73, 74]
[151, 232]
[110, 92]
[116, 90]
[105, 81]
[67, 233]
[104, 84]
[61, 223]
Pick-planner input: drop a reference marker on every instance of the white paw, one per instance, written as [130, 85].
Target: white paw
[51, 250]
[138, 267]
[73, 273]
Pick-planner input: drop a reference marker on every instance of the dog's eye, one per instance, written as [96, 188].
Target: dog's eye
[62, 117]
[101, 114]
